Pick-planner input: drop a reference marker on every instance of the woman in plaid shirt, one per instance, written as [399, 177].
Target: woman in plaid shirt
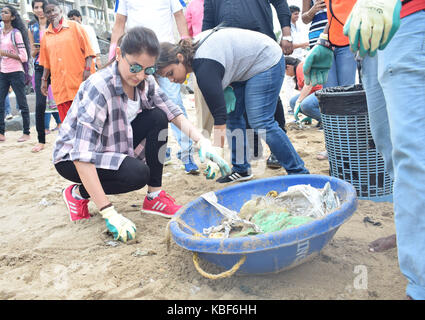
[114, 137]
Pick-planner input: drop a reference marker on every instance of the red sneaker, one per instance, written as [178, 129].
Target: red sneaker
[78, 209]
[163, 205]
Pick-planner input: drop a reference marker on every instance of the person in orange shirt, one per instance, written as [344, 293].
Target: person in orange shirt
[66, 55]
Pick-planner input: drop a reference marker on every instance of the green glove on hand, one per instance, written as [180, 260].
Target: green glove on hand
[306, 120]
[297, 110]
[230, 99]
[212, 170]
[372, 24]
[317, 65]
[122, 228]
[207, 151]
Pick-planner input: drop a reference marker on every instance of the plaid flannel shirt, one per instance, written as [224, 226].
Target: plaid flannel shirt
[96, 128]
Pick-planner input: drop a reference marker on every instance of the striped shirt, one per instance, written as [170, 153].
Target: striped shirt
[317, 26]
[96, 128]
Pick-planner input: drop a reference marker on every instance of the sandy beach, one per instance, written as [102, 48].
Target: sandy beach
[45, 256]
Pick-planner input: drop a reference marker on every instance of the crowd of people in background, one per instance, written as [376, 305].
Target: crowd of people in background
[112, 118]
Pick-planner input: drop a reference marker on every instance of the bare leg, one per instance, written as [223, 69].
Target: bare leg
[383, 244]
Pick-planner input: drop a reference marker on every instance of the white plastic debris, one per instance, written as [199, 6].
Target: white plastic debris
[230, 221]
[298, 200]
[304, 200]
[44, 202]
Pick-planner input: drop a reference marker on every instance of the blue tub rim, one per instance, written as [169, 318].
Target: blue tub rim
[271, 240]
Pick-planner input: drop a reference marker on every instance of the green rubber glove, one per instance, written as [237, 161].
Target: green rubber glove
[372, 24]
[121, 228]
[212, 170]
[317, 65]
[297, 109]
[208, 152]
[306, 120]
[230, 99]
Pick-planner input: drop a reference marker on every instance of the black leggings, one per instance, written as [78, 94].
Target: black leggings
[17, 81]
[40, 104]
[133, 174]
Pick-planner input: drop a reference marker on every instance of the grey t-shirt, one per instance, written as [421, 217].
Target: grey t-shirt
[227, 56]
[242, 53]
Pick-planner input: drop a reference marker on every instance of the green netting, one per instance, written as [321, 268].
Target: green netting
[271, 221]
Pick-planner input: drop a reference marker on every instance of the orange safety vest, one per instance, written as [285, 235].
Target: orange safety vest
[337, 12]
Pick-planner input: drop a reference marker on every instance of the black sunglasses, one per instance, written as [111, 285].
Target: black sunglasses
[136, 68]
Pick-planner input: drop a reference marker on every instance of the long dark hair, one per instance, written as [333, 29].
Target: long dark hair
[35, 20]
[291, 61]
[19, 24]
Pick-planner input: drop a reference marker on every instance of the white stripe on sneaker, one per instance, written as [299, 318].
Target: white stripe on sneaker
[235, 176]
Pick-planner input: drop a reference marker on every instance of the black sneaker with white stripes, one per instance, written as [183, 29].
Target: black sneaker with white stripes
[235, 176]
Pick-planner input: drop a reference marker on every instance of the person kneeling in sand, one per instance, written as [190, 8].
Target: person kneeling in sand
[120, 113]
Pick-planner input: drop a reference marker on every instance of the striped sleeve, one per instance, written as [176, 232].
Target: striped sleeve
[22, 51]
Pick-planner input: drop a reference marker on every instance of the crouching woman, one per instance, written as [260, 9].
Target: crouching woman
[112, 140]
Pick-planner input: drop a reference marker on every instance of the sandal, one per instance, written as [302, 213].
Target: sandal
[2, 138]
[24, 137]
[37, 148]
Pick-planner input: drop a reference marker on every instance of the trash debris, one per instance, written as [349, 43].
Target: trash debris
[230, 221]
[44, 202]
[142, 253]
[111, 243]
[195, 289]
[369, 220]
[298, 205]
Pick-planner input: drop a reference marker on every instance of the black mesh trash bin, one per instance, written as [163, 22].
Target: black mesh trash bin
[351, 149]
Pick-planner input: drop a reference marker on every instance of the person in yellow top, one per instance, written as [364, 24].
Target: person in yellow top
[66, 55]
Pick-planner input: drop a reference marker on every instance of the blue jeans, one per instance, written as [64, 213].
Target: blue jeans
[394, 81]
[343, 69]
[309, 106]
[172, 90]
[258, 97]
[7, 108]
[47, 117]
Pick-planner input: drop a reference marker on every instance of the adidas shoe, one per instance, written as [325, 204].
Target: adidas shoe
[78, 209]
[235, 176]
[163, 205]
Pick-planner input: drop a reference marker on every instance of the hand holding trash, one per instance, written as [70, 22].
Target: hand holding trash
[372, 24]
[306, 120]
[121, 227]
[215, 155]
[213, 169]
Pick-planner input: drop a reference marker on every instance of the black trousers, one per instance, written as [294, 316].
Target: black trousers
[133, 174]
[17, 81]
[40, 104]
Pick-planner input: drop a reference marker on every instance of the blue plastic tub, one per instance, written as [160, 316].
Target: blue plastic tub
[265, 253]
